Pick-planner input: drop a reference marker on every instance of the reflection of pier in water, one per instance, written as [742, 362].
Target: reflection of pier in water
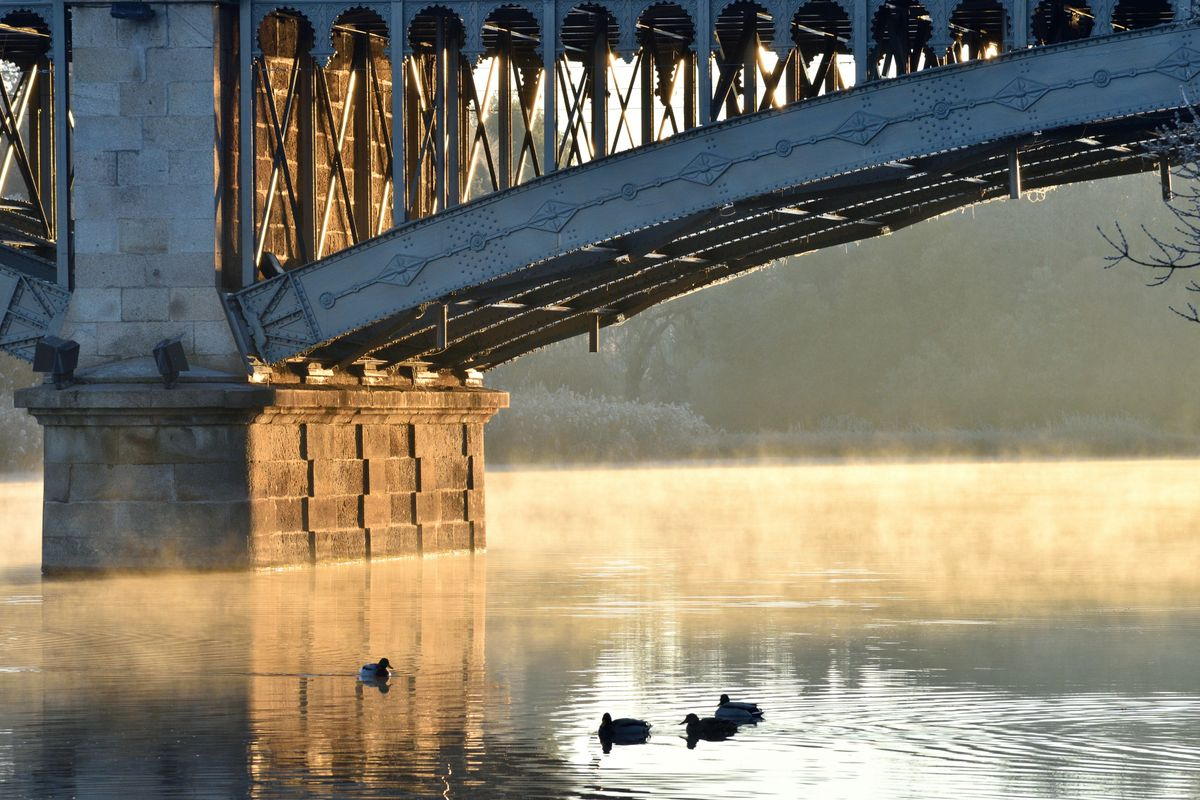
[426, 616]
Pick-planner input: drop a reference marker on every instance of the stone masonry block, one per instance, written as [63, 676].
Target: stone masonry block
[111, 64]
[191, 98]
[77, 520]
[443, 473]
[144, 236]
[189, 533]
[393, 474]
[386, 441]
[196, 305]
[85, 334]
[181, 444]
[214, 339]
[96, 236]
[145, 167]
[277, 514]
[144, 305]
[454, 505]
[79, 445]
[181, 65]
[333, 513]
[428, 507]
[95, 305]
[478, 534]
[93, 27]
[474, 438]
[91, 201]
[377, 510]
[445, 536]
[221, 480]
[279, 549]
[56, 482]
[337, 477]
[108, 271]
[332, 441]
[278, 479]
[95, 169]
[121, 482]
[273, 442]
[190, 167]
[107, 133]
[140, 34]
[180, 271]
[395, 540]
[190, 25]
[191, 132]
[95, 99]
[431, 440]
[143, 99]
[345, 545]
[126, 339]
[475, 509]
[404, 507]
[191, 235]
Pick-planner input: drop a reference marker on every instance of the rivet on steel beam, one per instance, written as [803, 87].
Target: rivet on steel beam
[594, 335]
[1164, 178]
[1014, 175]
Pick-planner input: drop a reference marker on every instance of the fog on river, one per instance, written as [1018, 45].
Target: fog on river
[935, 630]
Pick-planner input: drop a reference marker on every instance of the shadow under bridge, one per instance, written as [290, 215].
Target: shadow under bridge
[586, 247]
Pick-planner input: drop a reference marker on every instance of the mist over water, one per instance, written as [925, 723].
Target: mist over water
[933, 630]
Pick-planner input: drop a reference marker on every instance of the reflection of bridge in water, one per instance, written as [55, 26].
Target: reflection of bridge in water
[298, 192]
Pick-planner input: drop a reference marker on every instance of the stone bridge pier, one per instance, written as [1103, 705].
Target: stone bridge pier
[221, 470]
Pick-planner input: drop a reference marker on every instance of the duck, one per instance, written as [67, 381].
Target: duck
[712, 729]
[624, 730]
[740, 713]
[375, 672]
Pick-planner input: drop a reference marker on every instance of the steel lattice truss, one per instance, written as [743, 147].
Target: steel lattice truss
[476, 285]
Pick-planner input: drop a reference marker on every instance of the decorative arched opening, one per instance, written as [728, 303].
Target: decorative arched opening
[901, 32]
[434, 110]
[353, 140]
[1057, 21]
[589, 38]
[978, 29]
[505, 98]
[749, 75]
[822, 60]
[27, 169]
[1130, 15]
[667, 62]
[284, 129]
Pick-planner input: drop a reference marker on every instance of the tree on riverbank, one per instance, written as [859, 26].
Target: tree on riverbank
[1162, 256]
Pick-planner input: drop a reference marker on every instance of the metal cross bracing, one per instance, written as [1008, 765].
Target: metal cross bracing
[34, 256]
[356, 130]
[581, 248]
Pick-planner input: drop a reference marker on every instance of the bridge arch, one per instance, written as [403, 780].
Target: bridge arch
[822, 32]
[1057, 21]
[1131, 15]
[902, 32]
[979, 29]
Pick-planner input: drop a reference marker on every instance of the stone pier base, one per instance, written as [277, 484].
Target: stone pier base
[219, 474]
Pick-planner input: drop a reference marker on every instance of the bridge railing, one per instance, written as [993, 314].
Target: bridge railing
[357, 129]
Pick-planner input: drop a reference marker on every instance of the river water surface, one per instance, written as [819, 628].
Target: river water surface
[956, 630]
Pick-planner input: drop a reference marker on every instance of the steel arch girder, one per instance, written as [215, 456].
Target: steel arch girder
[1018, 94]
[30, 308]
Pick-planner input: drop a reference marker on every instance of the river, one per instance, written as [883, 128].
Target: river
[912, 630]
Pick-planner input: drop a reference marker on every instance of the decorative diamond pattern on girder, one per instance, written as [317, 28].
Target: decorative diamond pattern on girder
[861, 127]
[705, 168]
[1021, 93]
[1183, 64]
[553, 216]
[402, 270]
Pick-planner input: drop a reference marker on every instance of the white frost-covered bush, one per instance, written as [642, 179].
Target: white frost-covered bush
[559, 425]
